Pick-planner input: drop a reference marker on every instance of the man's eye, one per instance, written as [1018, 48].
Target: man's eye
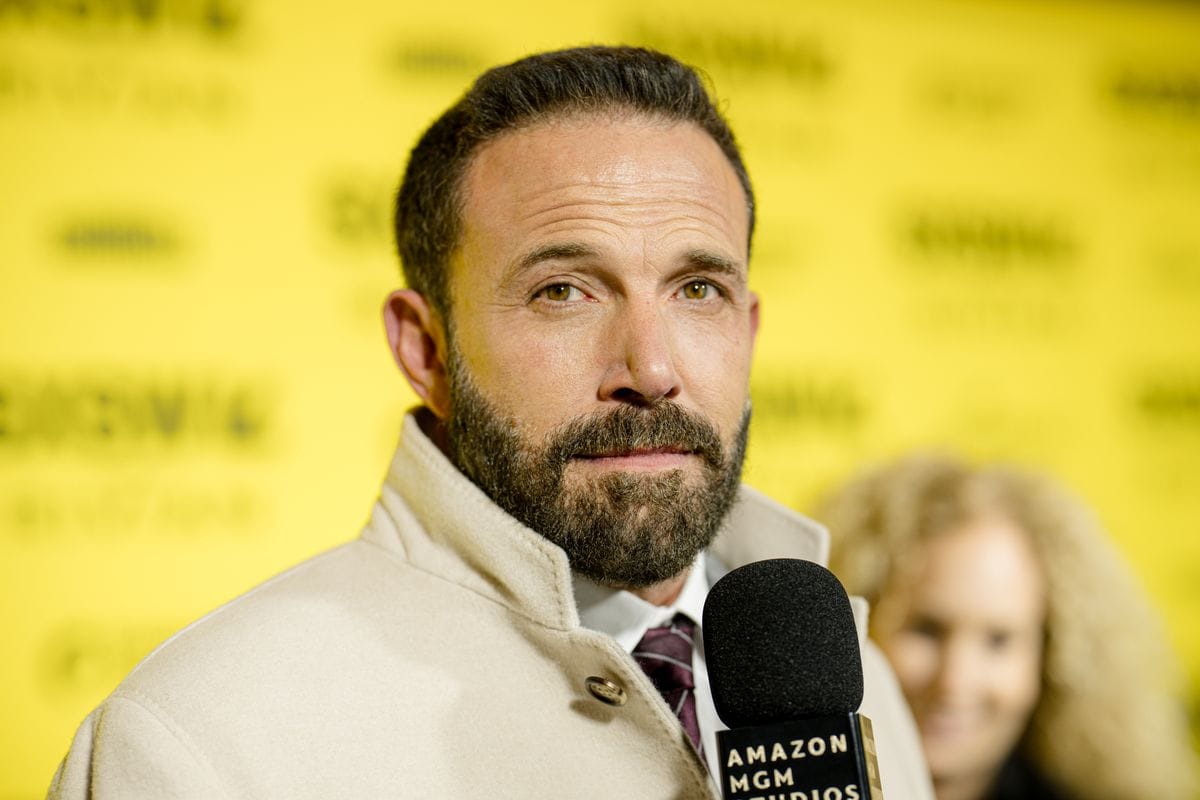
[560, 292]
[697, 290]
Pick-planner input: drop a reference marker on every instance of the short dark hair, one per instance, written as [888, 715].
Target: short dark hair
[428, 213]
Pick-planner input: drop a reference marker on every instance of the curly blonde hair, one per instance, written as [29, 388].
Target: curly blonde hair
[1108, 724]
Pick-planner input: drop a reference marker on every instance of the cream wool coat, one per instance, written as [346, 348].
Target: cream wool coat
[437, 656]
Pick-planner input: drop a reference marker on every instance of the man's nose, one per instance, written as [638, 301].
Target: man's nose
[640, 351]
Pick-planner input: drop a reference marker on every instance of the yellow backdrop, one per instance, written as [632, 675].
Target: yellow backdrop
[980, 228]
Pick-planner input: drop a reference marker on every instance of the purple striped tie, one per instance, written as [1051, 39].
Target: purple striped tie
[665, 654]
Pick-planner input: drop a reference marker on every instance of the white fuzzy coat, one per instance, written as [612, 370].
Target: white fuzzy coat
[437, 656]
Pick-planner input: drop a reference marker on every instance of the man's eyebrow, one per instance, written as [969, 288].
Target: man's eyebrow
[714, 262]
[705, 260]
[553, 252]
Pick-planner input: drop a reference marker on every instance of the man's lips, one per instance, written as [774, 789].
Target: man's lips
[638, 458]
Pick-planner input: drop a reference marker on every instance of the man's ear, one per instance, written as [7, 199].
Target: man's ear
[418, 343]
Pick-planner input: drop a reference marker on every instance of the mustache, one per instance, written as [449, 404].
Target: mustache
[662, 426]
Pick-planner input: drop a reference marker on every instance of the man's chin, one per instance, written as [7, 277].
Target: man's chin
[633, 529]
[636, 557]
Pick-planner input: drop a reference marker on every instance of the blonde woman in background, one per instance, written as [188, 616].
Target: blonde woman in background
[1034, 665]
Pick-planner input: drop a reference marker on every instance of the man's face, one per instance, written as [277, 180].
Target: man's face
[602, 334]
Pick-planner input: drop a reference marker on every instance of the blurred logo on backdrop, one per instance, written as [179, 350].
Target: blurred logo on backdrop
[808, 399]
[802, 59]
[986, 241]
[356, 210]
[116, 240]
[176, 452]
[102, 412]
[1161, 409]
[960, 92]
[130, 504]
[987, 271]
[1171, 95]
[1169, 399]
[1154, 109]
[354, 221]
[216, 19]
[450, 56]
[88, 657]
[102, 57]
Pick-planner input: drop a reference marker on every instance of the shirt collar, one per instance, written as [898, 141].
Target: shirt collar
[626, 617]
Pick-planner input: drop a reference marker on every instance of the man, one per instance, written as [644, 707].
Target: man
[575, 235]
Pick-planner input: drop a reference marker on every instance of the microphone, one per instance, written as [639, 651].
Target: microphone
[786, 677]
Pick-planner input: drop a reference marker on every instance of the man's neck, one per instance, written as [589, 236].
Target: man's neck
[665, 593]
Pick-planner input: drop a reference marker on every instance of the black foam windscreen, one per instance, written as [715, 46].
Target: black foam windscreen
[780, 644]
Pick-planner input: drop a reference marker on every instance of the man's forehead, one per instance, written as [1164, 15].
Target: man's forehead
[604, 159]
[610, 119]
[554, 135]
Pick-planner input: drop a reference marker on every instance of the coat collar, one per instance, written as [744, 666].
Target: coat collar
[432, 516]
[757, 527]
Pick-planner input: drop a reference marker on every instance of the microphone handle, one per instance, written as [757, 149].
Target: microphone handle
[818, 758]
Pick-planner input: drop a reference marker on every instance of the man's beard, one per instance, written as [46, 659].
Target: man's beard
[621, 529]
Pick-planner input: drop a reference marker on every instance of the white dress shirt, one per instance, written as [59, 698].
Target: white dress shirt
[626, 617]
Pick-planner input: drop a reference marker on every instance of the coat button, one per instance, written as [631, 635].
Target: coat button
[606, 691]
